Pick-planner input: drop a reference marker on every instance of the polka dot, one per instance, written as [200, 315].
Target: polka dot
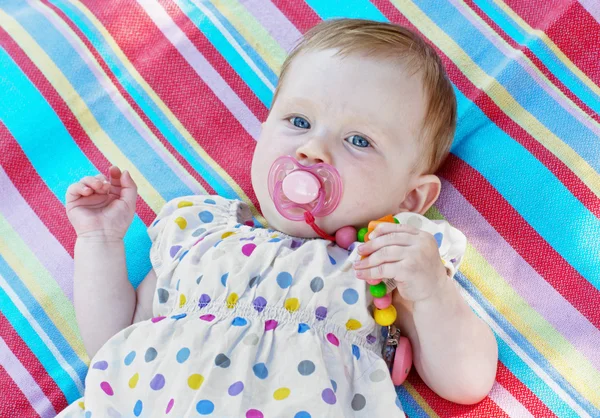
[170, 406]
[181, 258]
[248, 249]
[203, 301]
[210, 202]
[134, 380]
[321, 313]
[129, 358]
[254, 413]
[184, 203]
[284, 279]
[306, 367]
[137, 409]
[195, 381]
[371, 339]
[270, 324]
[251, 339]
[328, 396]
[182, 300]
[157, 319]
[334, 385]
[198, 232]
[81, 405]
[100, 365]
[353, 325]
[254, 281]
[183, 355]
[227, 234]
[350, 296]
[150, 355]
[179, 316]
[302, 328]
[157, 382]
[239, 322]
[222, 361]
[333, 339]
[275, 240]
[438, 238]
[356, 351]
[281, 393]
[174, 250]
[332, 260]
[181, 222]
[232, 300]
[259, 303]
[358, 402]
[224, 279]
[302, 414]
[199, 279]
[316, 284]
[105, 386]
[207, 317]
[296, 244]
[378, 375]
[163, 295]
[205, 216]
[260, 370]
[292, 304]
[88, 414]
[205, 407]
[235, 389]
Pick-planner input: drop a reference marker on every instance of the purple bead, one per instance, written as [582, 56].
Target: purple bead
[259, 303]
[321, 313]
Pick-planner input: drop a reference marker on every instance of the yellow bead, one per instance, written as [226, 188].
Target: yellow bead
[385, 317]
[181, 222]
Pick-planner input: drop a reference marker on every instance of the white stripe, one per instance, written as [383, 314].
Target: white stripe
[25, 382]
[64, 364]
[519, 352]
[507, 402]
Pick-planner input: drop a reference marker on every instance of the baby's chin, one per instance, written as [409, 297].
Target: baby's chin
[298, 229]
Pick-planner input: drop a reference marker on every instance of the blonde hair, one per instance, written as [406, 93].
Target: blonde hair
[371, 38]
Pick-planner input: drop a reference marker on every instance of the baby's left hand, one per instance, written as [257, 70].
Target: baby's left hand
[406, 254]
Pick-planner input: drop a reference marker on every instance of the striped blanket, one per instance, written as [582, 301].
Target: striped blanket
[175, 92]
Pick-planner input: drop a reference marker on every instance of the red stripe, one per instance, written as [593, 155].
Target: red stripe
[569, 179]
[136, 108]
[535, 60]
[182, 90]
[444, 408]
[299, 13]
[523, 238]
[31, 363]
[522, 393]
[14, 403]
[215, 58]
[76, 131]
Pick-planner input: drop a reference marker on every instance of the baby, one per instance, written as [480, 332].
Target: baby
[235, 320]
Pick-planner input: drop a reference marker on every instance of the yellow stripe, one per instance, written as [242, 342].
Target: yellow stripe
[531, 65]
[536, 33]
[79, 108]
[41, 285]
[256, 35]
[500, 95]
[166, 111]
[540, 333]
[419, 400]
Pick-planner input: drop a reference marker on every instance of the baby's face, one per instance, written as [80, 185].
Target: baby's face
[362, 115]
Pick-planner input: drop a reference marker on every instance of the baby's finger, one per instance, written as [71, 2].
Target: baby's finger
[114, 173]
[401, 237]
[94, 183]
[382, 271]
[388, 228]
[77, 190]
[387, 254]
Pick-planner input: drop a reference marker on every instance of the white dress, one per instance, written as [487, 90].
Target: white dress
[249, 322]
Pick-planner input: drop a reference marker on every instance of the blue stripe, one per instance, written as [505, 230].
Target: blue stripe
[38, 312]
[106, 113]
[58, 161]
[537, 385]
[410, 406]
[514, 78]
[39, 349]
[147, 105]
[216, 38]
[543, 52]
[356, 9]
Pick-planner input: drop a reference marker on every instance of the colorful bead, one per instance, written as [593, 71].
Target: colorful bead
[345, 237]
[378, 290]
[383, 302]
[385, 317]
[361, 234]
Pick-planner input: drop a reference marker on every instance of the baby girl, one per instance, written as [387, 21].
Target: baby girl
[237, 320]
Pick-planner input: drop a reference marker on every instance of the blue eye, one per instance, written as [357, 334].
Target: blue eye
[299, 122]
[358, 141]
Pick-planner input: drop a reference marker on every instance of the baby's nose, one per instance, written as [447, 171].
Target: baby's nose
[313, 152]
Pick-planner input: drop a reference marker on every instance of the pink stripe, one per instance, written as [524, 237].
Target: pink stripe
[536, 291]
[592, 7]
[507, 402]
[19, 374]
[50, 253]
[202, 67]
[114, 94]
[519, 57]
[272, 19]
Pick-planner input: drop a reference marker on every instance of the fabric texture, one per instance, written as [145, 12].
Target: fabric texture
[175, 91]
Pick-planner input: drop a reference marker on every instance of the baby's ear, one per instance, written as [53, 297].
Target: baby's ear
[423, 196]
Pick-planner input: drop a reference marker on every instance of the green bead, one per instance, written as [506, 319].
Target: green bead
[361, 234]
[378, 290]
[396, 221]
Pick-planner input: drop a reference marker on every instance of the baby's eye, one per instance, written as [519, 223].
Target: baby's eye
[358, 141]
[299, 122]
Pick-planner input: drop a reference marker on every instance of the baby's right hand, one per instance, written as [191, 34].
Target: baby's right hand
[97, 207]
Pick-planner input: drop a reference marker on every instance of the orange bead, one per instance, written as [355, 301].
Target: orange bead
[387, 218]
